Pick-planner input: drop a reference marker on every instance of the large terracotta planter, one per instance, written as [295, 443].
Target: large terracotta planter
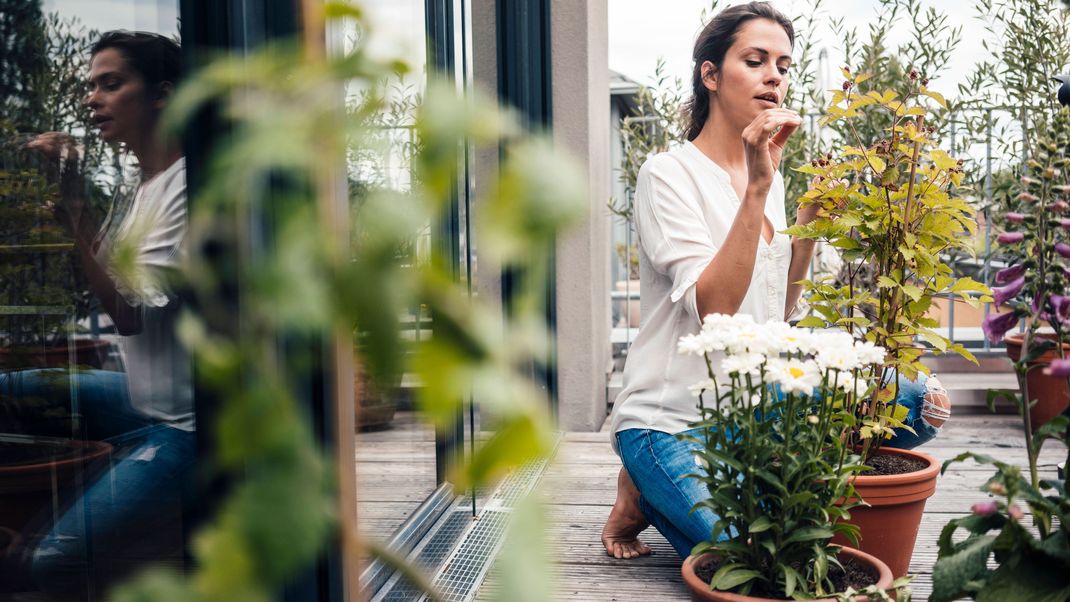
[889, 525]
[1051, 392]
[32, 472]
[374, 409]
[700, 590]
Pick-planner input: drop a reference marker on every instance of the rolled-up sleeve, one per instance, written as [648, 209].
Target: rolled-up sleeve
[672, 229]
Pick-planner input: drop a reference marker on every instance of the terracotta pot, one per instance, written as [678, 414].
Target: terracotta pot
[1051, 392]
[87, 352]
[372, 407]
[33, 471]
[700, 590]
[889, 525]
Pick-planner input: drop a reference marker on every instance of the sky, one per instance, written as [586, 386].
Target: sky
[640, 31]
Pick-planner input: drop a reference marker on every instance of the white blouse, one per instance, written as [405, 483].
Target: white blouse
[684, 207]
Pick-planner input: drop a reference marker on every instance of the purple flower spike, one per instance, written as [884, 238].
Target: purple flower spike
[1063, 249]
[1014, 218]
[1007, 274]
[984, 508]
[997, 325]
[1002, 295]
[1058, 368]
[1008, 238]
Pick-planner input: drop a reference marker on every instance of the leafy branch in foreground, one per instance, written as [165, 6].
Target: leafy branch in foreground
[272, 176]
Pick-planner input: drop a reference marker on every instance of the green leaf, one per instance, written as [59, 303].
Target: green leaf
[809, 534]
[886, 282]
[811, 322]
[953, 572]
[912, 291]
[731, 576]
[762, 523]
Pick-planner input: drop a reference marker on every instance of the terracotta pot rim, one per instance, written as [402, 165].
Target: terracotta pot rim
[94, 450]
[918, 476]
[1017, 338]
[697, 586]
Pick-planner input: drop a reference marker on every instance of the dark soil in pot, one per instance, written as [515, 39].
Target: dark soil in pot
[888, 465]
[854, 574]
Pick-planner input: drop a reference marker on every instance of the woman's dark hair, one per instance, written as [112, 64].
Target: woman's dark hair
[712, 44]
[156, 58]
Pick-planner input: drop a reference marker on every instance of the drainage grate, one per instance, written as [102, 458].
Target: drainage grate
[470, 545]
[429, 556]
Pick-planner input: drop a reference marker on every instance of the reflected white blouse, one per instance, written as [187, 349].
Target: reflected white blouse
[684, 207]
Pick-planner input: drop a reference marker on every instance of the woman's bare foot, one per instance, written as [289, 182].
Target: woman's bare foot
[620, 536]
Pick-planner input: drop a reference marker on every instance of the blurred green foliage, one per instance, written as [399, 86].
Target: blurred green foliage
[288, 136]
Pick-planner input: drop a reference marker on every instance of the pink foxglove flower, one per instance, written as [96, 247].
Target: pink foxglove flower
[995, 326]
[1006, 293]
[1014, 218]
[1008, 238]
[1058, 368]
[1008, 274]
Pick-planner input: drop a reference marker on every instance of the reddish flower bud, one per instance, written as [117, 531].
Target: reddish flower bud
[846, 86]
[1063, 249]
[1015, 512]
[1014, 218]
[1027, 197]
[1060, 206]
[1009, 238]
[1064, 223]
[987, 508]
[997, 489]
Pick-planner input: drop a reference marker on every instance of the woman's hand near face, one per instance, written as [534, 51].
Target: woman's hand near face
[62, 155]
[764, 149]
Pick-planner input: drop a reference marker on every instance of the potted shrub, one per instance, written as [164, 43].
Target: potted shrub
[40, 273]
[777, 470]
[892, 206]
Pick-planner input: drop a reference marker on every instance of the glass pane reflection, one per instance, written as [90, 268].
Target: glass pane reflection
[396, 467]
[96, 407]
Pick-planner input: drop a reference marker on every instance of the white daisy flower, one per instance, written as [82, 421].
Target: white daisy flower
[702, 386]
[743, 364]
[795, 376]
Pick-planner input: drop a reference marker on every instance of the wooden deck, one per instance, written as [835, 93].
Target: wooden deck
[395, 470]
[581, 481]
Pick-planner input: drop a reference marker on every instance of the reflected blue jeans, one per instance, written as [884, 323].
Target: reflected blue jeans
[659, 463]
[133, 511]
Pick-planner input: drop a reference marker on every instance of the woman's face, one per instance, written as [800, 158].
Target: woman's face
[122, 106]
[753, 77]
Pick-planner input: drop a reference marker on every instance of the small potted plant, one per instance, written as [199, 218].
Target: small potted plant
[776, 467]
[1037, 244]
[892, 206]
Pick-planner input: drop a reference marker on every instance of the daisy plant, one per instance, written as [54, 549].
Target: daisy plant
[777, 469]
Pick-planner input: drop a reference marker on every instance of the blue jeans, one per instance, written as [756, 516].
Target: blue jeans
[659, 464]
[133, 511]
